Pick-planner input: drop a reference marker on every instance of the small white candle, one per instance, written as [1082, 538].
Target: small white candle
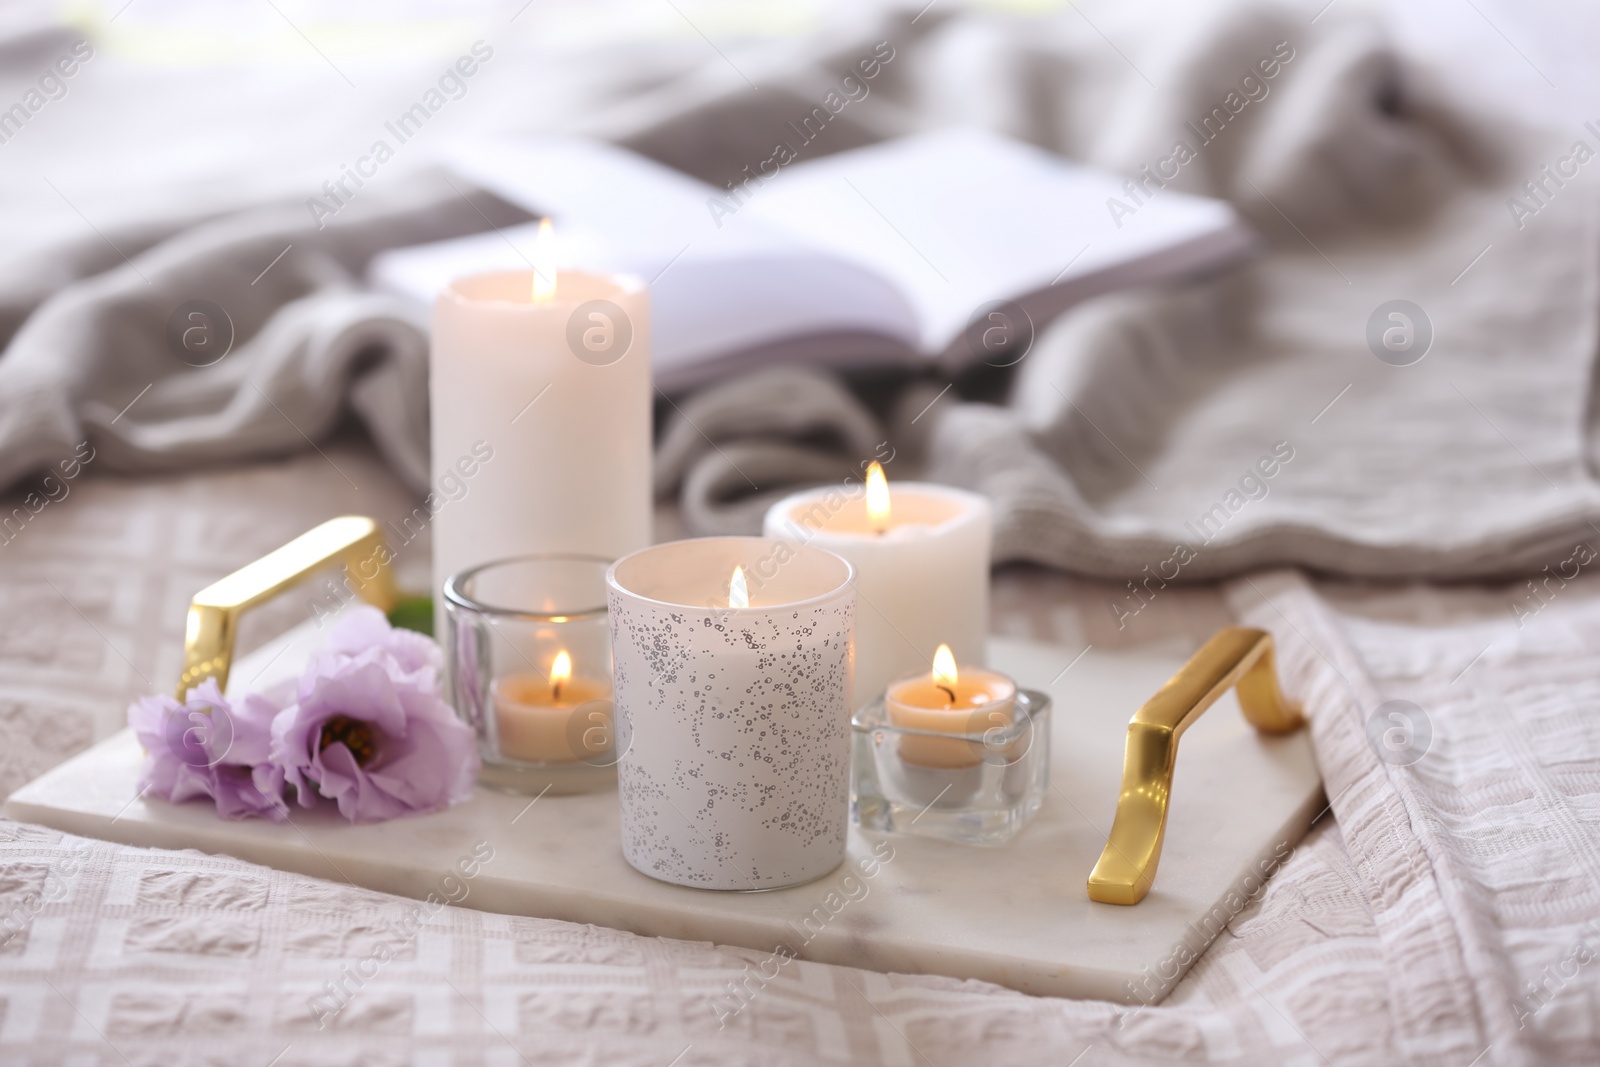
[541, 417]
[949, 700]
[534, 715]
[922, 569]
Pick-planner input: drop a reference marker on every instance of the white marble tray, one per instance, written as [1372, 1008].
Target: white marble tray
[1016, 915]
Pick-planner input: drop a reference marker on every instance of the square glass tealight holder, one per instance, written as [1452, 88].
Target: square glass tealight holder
[528, 648]
[977, 788]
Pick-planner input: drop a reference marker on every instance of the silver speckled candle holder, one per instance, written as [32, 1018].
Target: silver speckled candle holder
[733, 723]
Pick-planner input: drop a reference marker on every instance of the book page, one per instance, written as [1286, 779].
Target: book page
[714, 290]
[960, 218]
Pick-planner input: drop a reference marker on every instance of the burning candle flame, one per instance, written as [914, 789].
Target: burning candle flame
[560, 673]
[738, 591]
[877, 498]
[544, 264]
[944, 671]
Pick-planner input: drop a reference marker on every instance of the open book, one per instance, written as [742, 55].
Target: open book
[953, 246]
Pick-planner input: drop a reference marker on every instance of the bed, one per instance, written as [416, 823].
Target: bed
[1444, 908]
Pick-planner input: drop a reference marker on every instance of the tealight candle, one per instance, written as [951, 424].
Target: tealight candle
[540, 407]
[960, 754]
[949, 699]
[921, 554]
[528, 650]
[534, 715]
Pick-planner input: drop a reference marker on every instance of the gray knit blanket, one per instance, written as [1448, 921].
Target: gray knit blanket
[1399, 386]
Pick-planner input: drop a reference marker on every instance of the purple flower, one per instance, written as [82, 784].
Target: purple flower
[369, 729]
[205, 747]
[364, 627]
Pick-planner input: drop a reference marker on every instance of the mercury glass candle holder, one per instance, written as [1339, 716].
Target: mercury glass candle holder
[978, 783]
[529, 657]
[733, 668]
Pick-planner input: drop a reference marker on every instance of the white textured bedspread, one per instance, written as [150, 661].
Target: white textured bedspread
[1444, 911]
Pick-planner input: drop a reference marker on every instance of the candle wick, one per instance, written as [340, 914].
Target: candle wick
[555, 689]
[948, 691]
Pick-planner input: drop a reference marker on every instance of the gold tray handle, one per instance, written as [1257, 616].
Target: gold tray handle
[214, 613]
[1237, 656]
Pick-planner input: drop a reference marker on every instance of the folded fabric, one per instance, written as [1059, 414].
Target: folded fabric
[192, 353]
[1400, 386]
[734, 448]
[1261, 416]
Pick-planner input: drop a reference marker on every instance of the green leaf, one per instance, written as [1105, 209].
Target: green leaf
[413, 613]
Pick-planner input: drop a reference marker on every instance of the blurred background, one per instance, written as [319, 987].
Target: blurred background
[193, 108]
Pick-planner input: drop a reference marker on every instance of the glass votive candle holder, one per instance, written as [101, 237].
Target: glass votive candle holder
[973, 773]
[529, 655]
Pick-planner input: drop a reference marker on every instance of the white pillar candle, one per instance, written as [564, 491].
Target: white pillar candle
[732, 699]
[541, 418]
[922, 574]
